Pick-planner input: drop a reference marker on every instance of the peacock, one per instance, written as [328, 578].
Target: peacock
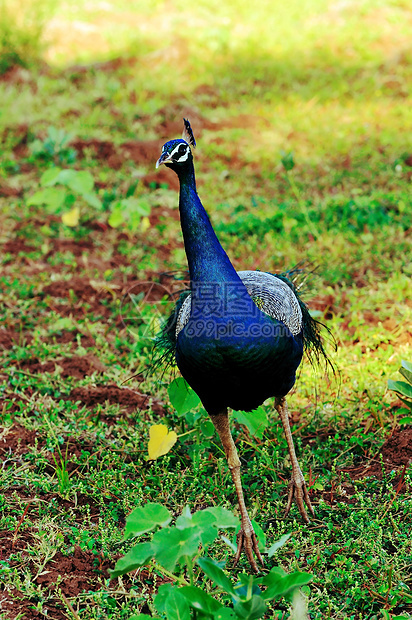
[237, 337]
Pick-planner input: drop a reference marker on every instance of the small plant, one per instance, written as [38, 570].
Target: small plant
[404, 388]
[173, 548]
[55, 147]
[62, 190]
[60, 463]
[131, 212]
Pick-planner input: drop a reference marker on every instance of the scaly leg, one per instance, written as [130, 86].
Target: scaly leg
[246, 538]
[297, 485]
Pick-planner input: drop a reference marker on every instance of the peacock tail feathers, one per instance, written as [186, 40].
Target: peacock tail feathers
[165, 340]
[297, 279]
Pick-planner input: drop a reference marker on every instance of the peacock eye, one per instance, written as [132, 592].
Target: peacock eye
[182, 150]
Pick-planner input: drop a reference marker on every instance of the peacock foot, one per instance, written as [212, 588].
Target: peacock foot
[246, 540]
[299, 492]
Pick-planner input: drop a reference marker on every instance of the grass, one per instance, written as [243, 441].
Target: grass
[258, 87]
[22, 25]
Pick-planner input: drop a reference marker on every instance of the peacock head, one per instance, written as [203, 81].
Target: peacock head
[177, 153]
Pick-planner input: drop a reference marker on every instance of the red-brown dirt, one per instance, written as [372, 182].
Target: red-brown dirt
[9, 337]
[16, 440]
[7, 191]
[71, 336]
[78, 366]
[17, 245]
[77, 248]
[71, 574]
[395, 453]
[131, 400]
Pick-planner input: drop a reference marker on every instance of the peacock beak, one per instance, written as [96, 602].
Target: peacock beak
[163, 159]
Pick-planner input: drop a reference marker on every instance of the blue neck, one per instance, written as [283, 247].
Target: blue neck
[216, 287]
[208, 262]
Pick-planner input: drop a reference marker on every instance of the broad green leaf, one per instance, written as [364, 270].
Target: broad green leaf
[278, 544]
[161, 596]
[206, 529]
[274, 575]
[406, 370]
[146, 518]
[136, 557]
[207, 428]
[171, 544]
[177, 607]
[254, 608]
[281, 584]
[185, 519]
[79, 181]
[221, 517]
[92, 199]
[53, 197]
[226, 613]
[206, 522]
[182, 397]
[296, 581]
[400, 386]
[136, 205]
[406, 420]
[49, 177]
[82, 183]
[66, 175]
[193, 416]
[216, 574]
[131, 211]
[116, 218]
[256, 421]
[133, 220]
[198, 599]
[161, 441]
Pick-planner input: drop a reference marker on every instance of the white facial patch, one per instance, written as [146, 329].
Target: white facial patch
[177, 156]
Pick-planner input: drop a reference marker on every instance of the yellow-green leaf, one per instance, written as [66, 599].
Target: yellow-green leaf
[71, 218]
[161, 441]
[145, 224]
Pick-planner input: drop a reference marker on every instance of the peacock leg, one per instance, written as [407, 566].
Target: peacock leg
[297, 485]
[246, 538]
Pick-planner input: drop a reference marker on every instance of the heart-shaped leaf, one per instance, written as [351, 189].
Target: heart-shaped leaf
[71, 218]
[161, 441]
